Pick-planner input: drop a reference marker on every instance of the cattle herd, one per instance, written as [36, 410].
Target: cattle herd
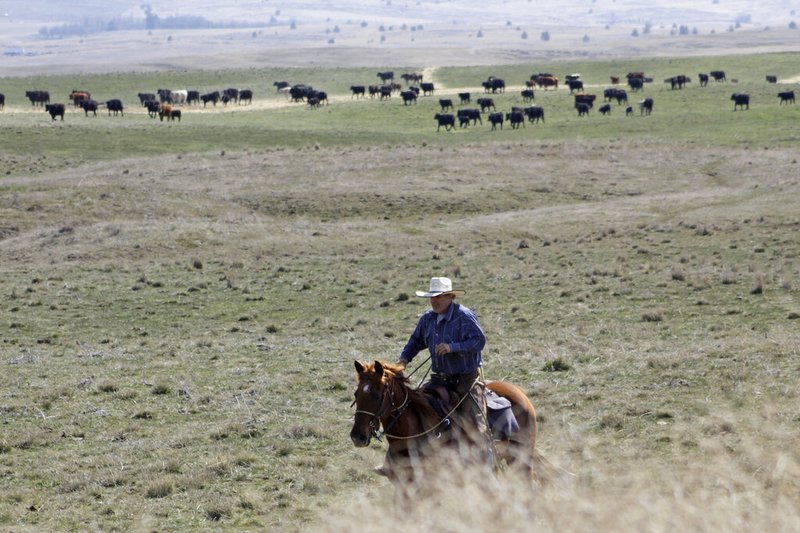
[449, 118]
[163, 103]
[166, 104]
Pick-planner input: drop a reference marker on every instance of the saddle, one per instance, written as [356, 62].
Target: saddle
[502, 421]
[442, 400]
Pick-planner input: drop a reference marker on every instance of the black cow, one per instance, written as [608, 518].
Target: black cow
[192, 97]
[628, 111]
[604, 109]
[575, 85]
[527, 95]
[741, 101]
[212, 97]
[467, 115]
[313, 102]
[232, 94]
[246, 95]
[703, 79]
[89, 105]
[786, 96]
[386, 76]
[494, 85]
[322, 96]
[408, 97]
[41, 98]
[2, 100]
[146, 97]
[515, 118]
[427, 88]
[772, 78]
[55, 110]
[612, 93]
[114, 106]
[646, 106]
[358, 91]
[534, 113]
[298, 93]
[385, 92]
[636, 84]
[164, 95]
[411, 77]
[445, 119]
[718, 75]
[463, 118]
[464, 97]
[486, 103]
[175, 113]
[153, 107]
[677, 82]
[583, 109]
[281, 85]
[445, 104]
[495, 119]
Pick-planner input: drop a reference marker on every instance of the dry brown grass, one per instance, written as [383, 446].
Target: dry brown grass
[739, 487]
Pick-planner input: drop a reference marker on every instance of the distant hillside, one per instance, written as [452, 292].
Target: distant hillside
[706, 15]
[114, 35]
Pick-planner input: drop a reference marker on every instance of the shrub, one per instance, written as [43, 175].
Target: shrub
[556, 365]
[160, 489]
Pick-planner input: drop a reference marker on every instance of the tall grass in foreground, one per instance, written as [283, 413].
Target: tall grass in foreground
[759, 493]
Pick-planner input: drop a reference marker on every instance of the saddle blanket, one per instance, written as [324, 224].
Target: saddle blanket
[501, 417]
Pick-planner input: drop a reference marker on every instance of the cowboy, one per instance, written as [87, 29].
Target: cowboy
[454, 338]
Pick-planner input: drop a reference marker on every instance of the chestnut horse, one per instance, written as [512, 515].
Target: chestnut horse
[384, 398]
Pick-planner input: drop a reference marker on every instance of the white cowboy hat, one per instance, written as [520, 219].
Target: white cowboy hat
[439, 286]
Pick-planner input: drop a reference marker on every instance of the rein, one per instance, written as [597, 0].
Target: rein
[400, 410]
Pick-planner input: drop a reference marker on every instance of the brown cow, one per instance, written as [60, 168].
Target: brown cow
[79, 96]
[587, 99]
[545, 80]
[165, 111]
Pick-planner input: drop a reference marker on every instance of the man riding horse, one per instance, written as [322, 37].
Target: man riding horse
[454, 338]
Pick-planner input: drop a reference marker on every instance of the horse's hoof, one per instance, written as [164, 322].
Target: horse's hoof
[381, 471]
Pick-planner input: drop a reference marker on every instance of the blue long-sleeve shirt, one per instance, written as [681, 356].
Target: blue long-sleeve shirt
[459, 328]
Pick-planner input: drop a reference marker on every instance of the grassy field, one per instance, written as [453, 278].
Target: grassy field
[183, 302]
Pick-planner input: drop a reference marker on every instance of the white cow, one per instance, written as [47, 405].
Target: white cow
[179, 97]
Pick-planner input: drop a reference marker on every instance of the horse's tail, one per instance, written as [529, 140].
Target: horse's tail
[546, 473]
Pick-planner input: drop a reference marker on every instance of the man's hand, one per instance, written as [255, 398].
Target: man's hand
[442, 349]
[402, 364]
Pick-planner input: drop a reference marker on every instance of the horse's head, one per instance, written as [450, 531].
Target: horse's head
[373, 399]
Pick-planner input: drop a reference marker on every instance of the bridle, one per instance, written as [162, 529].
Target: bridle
[384, 409]
[375, 422]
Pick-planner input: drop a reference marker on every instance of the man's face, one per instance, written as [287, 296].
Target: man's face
[440, 303]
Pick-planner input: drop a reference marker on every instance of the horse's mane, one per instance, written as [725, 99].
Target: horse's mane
[416, 396]
[395, 371]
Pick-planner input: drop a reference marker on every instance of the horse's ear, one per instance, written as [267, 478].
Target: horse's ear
[359, 367]
[378, 369]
